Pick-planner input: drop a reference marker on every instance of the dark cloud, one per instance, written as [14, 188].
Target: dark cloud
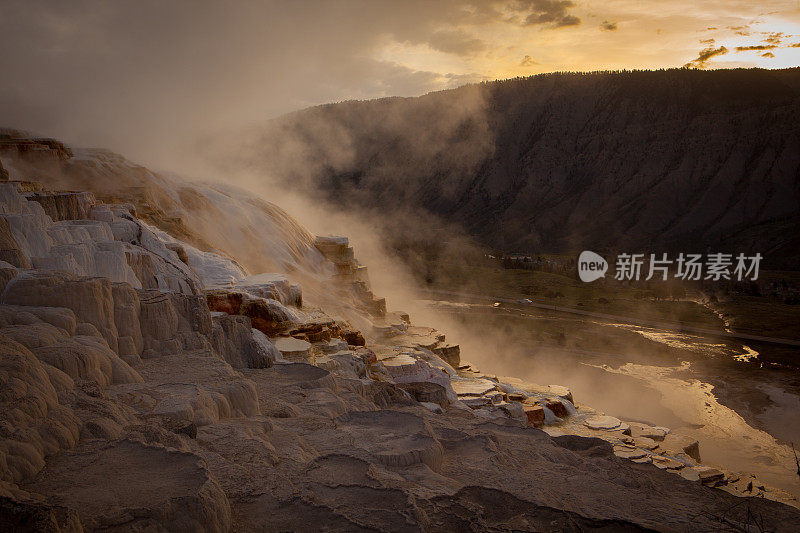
[552, 13]
[756, 47]
[456, 42]
[743, 30]
[444, 25]
[569, 20]
[527, 61]
[771, 41]
[707, 41]
[775, 38]
[705, 55]
[132, 76]
[608, 26]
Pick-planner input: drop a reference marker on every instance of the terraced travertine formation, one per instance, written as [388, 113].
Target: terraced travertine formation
[152, 383]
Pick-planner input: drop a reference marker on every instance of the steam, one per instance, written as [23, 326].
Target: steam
[452, 134]
[281, 161]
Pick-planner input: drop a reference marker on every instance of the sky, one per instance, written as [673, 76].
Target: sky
[148, 78]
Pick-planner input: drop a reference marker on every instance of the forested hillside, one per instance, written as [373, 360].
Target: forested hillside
[683, 159]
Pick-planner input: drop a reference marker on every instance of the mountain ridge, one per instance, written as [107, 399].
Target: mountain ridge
[673, 160]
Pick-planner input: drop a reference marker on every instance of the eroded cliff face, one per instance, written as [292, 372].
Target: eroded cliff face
[151, 383]
[677, 159]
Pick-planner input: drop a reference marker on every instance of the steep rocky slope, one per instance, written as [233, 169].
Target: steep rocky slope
[676, 159]
[149, 384]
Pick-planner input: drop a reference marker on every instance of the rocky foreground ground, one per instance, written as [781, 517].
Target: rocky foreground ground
[152, 380]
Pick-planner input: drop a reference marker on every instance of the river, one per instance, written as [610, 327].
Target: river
[744, 414]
